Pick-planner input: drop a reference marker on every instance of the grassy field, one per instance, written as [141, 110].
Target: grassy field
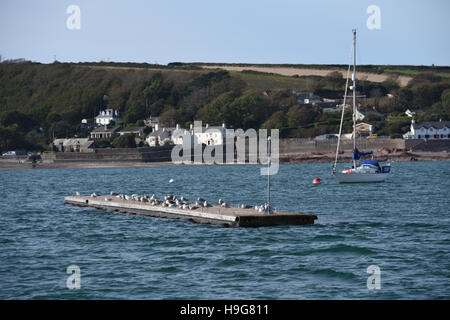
[263, 81]
[282, 76]
[414, 73]
[255, 80]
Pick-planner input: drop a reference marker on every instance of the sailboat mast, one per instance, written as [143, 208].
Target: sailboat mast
[354, 94]
[268, 172]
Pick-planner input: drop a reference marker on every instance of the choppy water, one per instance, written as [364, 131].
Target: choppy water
[401, 225]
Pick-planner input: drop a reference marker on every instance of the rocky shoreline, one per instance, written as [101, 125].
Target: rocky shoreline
[399, 156]
[394, 156]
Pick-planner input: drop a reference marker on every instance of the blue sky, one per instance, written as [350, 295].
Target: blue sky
[262, 31]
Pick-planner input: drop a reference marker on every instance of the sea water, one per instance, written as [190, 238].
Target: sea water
[400, 226]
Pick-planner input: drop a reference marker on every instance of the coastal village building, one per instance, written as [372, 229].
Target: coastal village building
[87, 125]
[362, 113]
[209, 135]
[137, 131]
[106, 116]
[304, 95]
[72, 145]
[411, 113]
[104, 132]
[159, 136]
[212, 135]
[428, 130]
[151, 122]
[364, 129]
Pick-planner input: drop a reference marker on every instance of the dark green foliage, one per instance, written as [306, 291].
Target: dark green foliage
[277, 120]
[170, 118]
[124, 141]
[39, 102]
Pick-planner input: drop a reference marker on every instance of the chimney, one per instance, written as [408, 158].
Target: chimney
[191, 126]
[223, 125]
[177, 127]
[207, 125]
[156, 127]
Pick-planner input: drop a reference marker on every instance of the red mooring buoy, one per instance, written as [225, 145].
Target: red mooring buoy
[317, 181]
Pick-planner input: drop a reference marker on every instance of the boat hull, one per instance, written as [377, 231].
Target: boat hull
[361, 177]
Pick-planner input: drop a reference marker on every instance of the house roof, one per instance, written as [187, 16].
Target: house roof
[368, 111]
[132, 129]
[434, 124]
[162, 133]
[82, 142]
[102, 129]
[364, 123]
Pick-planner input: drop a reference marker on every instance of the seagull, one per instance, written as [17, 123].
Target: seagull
[171, 180]
[206, 204]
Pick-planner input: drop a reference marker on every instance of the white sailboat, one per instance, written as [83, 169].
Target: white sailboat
[363, 171]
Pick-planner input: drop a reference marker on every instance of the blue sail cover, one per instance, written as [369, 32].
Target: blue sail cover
[373, 162]
[357, 154]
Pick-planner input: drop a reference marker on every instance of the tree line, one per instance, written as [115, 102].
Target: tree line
[40, 102]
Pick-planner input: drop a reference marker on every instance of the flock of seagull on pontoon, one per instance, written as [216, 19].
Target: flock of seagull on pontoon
[172, 201]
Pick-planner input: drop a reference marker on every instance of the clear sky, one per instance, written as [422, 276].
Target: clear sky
[247, 31]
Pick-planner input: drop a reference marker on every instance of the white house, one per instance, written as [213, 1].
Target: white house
[207, 135]
[73, 144]
[428, 130]
[362, 113]
[212, 135]
[159, 136]
[106, 116]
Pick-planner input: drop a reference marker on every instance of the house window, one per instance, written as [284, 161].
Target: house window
[419, 136]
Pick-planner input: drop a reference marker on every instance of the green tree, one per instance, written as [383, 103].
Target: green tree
[445, 98]
[124, 141]
[60, 129]
[334, 80]
[14, 117]
[299, 116]
[405, 97]
[215, 112]
[52, 117]
[171, 117]
[277, 120]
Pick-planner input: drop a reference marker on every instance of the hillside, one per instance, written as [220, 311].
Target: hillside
[375, 73]
[42, 101]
